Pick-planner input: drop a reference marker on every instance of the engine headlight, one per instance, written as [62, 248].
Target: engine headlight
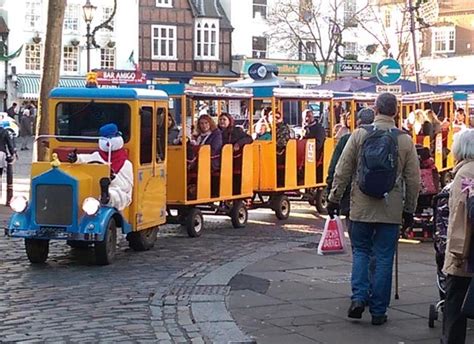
[90, 206]
[18, 204]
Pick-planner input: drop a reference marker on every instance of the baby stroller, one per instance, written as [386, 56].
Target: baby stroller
[423, 224]
[440, 220]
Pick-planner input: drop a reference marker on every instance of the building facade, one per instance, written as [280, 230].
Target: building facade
[448, 45]
[27, 20]
[185, 41]
[256, 37]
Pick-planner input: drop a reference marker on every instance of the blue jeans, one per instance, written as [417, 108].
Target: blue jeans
[377, 241]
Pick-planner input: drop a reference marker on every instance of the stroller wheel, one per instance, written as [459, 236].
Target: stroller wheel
[433, 315]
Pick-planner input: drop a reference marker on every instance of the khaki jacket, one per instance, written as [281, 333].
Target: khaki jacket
[459, 232]
[403, 196]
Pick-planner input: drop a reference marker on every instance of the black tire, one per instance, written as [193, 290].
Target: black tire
[105, 250]
[142, 240]
[78, 244]
[433, 315]
[194, 223]
[239, 214]
[37, 250]
[320, 201]
[281, 206]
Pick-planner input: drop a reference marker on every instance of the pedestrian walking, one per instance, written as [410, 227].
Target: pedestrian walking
[25, 128]
[458, 249]
[382, 163]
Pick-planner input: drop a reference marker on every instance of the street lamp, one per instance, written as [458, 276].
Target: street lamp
[88, 11]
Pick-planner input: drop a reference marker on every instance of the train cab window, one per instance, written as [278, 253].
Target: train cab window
[75, 118]
[146, 134]
[161, 124]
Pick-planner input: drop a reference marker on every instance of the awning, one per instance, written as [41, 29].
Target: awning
[29, 85]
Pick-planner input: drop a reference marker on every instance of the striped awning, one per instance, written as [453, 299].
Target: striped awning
[29, 85]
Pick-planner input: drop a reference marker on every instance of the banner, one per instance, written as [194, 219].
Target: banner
[116, 77]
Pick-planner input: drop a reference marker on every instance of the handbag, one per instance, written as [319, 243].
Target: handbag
[467, 308]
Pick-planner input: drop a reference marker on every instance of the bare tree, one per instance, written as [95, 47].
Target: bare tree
[51, 69]
[313, 28]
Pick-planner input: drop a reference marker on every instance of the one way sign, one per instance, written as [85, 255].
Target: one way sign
[389, 71]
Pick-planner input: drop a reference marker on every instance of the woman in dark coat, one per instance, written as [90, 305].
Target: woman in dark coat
[209, 134]
[173, 131]
[231, 133]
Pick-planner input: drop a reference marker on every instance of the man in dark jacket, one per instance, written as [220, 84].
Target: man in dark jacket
[7, 149]
[11, 111]
[314, 130]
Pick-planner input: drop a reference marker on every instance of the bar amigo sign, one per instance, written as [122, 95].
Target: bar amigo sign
[117, 77]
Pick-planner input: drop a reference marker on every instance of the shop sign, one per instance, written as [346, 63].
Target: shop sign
[116, 77]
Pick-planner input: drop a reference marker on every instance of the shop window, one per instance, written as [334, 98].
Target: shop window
[163, 41]
[107, 58]
[70, 59]
[259, 8]
[146, 134]
[33, 57]
[207, 42]
[259, 47]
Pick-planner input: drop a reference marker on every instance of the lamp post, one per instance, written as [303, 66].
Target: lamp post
[88, 11]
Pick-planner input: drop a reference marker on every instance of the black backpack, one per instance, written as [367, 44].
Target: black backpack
[378, 161]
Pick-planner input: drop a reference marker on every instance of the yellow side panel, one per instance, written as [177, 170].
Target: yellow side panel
[151, 197]
[176, 174]
[439, 152]
[427, 142]
[257, 170]
[226, 174]
[267, 178]
[450, 146]
[328, 150]
[204, 173]
[310, 163]
[247, 170]
[290, 164]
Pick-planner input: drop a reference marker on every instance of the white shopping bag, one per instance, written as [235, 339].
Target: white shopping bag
[332, 240]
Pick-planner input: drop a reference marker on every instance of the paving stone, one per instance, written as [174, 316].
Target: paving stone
[210, 311]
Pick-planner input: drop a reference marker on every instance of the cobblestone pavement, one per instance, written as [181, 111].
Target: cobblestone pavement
[144, 296]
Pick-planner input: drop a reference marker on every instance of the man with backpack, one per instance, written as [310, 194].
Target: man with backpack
[383, 165]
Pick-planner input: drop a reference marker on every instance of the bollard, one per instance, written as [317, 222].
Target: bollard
[9, 179]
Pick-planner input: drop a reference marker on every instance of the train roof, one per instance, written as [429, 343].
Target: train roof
[108, 93]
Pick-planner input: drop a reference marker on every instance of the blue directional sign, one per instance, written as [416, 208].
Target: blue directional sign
[389, 71]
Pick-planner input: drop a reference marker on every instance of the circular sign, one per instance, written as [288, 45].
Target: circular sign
[258, 71]
[389, 71]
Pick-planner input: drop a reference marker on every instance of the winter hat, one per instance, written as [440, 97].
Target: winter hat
[109, 130]
[366, 116]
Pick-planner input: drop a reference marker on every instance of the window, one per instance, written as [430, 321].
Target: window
[146, 134]
[33, 57]
[259, 8]
[350, 9]
[350, 50]
[164, 3]
[106, 13]
[259, 47]
[76, 118]
[107, 58]
[207, 42]
[163, 42]
[71, 18]
[161, 125]
[444, 39]
[70, 59]
[310, 51]
[33, 15]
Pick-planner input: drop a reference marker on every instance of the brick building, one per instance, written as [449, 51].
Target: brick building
[186, 41]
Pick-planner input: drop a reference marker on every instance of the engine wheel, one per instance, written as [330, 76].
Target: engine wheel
[142, 240]
[37, 250]
[239, 214]
[105, 250]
